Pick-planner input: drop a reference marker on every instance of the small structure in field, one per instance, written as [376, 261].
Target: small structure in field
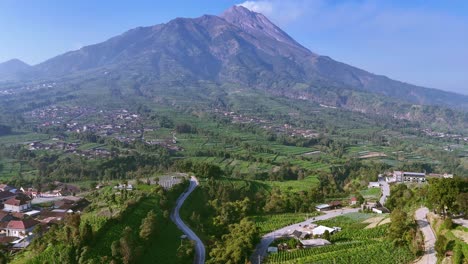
[322, 207]
[318, 242]
[272, 250]
[320, 230]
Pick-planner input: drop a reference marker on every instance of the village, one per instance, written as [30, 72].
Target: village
[436, 134]
[120, 124]
[268, 125]
[27, 88]
[308, 234]
[25, 212]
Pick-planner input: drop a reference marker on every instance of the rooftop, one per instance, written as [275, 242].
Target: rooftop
[22, 224]
[315, 242]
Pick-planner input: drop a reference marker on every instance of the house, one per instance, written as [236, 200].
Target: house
[405, 176]
[297, 234]
[322, 207]
[6, 195]
[7, 240]
[353, 200]
[335, 204]
[6, 217]
[320, 230]
[272, 250]
[31, 192]
[447, 176]
[376, 210]
[20, 228]
[50, 194]
[123, 186]
[6, 188]
[314, 243]
[17, 204]
[380, 210]
[373, 185]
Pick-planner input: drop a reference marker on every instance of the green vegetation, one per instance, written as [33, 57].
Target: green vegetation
[140, 231]
[270, 222]
[264, 161]
[353, 244]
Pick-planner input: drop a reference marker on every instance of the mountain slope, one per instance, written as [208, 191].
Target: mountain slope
[238, 47]
[13, 69]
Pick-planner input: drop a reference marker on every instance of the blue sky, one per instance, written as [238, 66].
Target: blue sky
[420, 42]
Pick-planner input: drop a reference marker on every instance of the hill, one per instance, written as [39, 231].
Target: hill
[241, 48]
[13, 69]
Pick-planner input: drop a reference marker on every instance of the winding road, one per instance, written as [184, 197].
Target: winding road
[429, 256]
[385, 190]
[261, 249]
[175, 217]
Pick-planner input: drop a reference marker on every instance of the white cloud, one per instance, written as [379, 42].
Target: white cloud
[281, 12]
[264, 7]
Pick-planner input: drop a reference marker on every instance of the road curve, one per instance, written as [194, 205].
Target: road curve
[429, 256]
[385, 190]
[175, 217]
[261, 249]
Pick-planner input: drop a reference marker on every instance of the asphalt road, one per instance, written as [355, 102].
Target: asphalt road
[429, 256]
[261, 249]
[385, 190]
[199, 246]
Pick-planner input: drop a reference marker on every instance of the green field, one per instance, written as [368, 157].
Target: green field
[268, 223]
[353, 244]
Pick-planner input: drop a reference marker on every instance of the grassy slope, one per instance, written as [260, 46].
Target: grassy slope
[163, 247]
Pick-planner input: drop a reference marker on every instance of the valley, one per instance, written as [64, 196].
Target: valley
[215, 139]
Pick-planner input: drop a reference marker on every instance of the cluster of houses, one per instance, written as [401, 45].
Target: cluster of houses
[436, 134]
[120, 124]
[70, 147]
[19, 218]
[416, 177]
[308, 236]
[27, 88]
[287, 129]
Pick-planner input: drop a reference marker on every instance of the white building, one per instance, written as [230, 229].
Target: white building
[405, 176]
[17, 204]
[314, 242]
[320, 230]
[20, 228]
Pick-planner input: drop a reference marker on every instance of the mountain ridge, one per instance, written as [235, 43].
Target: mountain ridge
[239, 46]
[13, 68]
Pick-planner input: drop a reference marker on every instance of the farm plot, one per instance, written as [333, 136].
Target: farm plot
[353, 244]
[268, 223]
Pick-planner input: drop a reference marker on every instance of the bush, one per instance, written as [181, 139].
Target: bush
[448, 223]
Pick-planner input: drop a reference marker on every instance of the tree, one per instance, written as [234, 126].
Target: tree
[127, 246]
[462, 204]
[443, 194]
[148, 225]
[326, 235]
[186, 251]
[115, 249]
[398, 225]
[236, 246]
[440, 244]
[87, 234]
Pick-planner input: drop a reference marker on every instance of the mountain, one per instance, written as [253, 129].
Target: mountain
[13, 69]
[243, 48]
